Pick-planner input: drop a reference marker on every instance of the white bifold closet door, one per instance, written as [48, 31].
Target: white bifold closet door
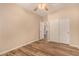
[53, 30]
[59, 30]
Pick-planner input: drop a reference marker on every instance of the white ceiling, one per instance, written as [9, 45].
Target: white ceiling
[51, 7]
[31, 7]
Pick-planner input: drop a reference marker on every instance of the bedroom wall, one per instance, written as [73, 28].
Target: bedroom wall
[72, 12]
[17, 27]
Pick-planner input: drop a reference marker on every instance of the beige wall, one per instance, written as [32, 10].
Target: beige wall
[17, 27]
[72, 12]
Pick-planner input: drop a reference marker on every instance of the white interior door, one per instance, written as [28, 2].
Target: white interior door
[64, 30]
[59, 30]
[53, 30]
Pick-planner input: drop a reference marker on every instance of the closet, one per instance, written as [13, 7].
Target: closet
[59, 30]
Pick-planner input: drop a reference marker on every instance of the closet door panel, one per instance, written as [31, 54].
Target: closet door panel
[54, 30]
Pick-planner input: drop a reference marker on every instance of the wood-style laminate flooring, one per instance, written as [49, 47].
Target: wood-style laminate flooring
[44, 48]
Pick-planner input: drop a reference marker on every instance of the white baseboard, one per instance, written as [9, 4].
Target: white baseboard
[74, 46]
[17, 47]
